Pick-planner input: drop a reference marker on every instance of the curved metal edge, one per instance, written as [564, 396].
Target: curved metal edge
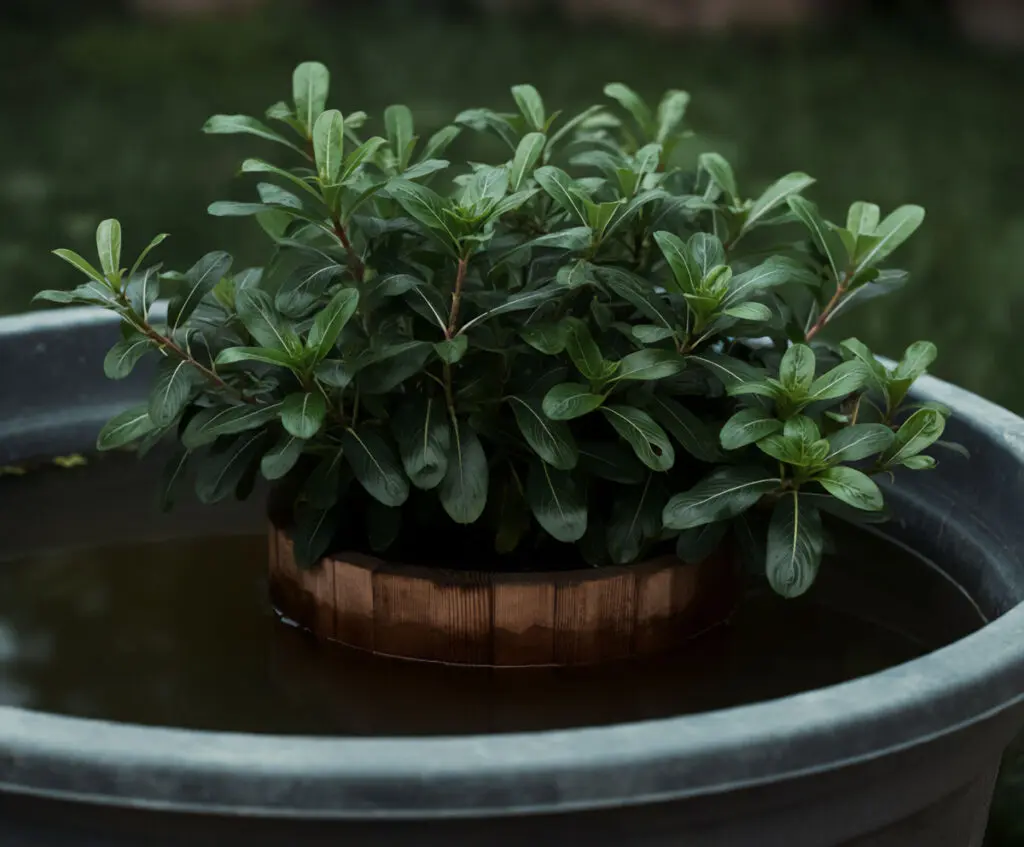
[974, 680]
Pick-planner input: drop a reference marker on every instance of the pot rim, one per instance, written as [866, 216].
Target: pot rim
[967, 682]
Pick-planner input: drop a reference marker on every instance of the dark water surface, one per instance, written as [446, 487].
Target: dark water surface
[110, 609]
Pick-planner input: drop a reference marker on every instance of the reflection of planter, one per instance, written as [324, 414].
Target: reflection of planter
[482, 618]
[902, 758]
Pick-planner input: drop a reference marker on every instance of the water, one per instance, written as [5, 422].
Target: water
[110, 609]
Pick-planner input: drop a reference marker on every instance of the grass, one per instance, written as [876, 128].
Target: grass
[103, 120]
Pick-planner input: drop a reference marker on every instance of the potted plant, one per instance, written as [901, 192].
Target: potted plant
[600, 370]
[521, 372]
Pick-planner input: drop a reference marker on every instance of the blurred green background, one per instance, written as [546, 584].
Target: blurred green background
[891, 102]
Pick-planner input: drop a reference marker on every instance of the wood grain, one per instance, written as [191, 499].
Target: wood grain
[496, 619]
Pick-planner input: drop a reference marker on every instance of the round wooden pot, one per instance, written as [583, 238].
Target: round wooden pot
[574, 617]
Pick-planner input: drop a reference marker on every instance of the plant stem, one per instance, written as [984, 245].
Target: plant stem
[146, 329]
[830, 307]
[460, 278]
[358, 268]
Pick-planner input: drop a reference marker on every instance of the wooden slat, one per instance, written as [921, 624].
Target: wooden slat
[594, 618]
[353, 602]
[524, 622]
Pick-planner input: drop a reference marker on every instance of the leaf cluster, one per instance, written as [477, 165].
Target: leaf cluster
[585, 343]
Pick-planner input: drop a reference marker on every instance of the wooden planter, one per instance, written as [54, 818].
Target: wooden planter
[501, 619]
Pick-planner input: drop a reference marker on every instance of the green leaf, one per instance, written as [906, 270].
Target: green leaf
[220, 475]
[919, 463]
[531, 105]
[424, 440]
[528, 153]
[550, 439]
[54, 296]
[463, 491]
[915, 361]
[862, 219]
[329, 145]
[424, 205]
[671, 112]
[627, 286]
[633, 104]
[692, 434]
[685, 271]
[776, 271]
[749, 312]
[891, 233]
[313, 533]
[282, 457]
[510, 204]
[635, 519]
[557, 501]
[775, 195]
[394, 366]
[852, 487]
[125, 428]
[584, 352]
[171, 391]
[707, 252]
[570, 400]
[726, 492]
[826, 238]
[375, 465]
[208, 425]
[108, 244]
[796, 371]
[748, 426]
[841, 380]
[398, 124]
[199, 281]
[452, 350]
[365, 151]
[803, 429]
[302, 413]
[858, 441]
[648, 440]
[918, 432]
[255, 354]
[794, 546]
[695, 545]
[649, 365]
[257, 313]
[549, 339]
[72, 258]
[236, 124]
[310, 84]
[856, 351]
[440, 141]
[330, 321]
[650, 334]
[569, 126]
[721, 174]
[785, 448]
[425, 168]
[258, 166]
[142, 291]
[124, 355]
[563, 190]
[757, 389]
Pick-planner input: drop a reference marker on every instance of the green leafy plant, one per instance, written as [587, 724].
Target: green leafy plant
[586, 343]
